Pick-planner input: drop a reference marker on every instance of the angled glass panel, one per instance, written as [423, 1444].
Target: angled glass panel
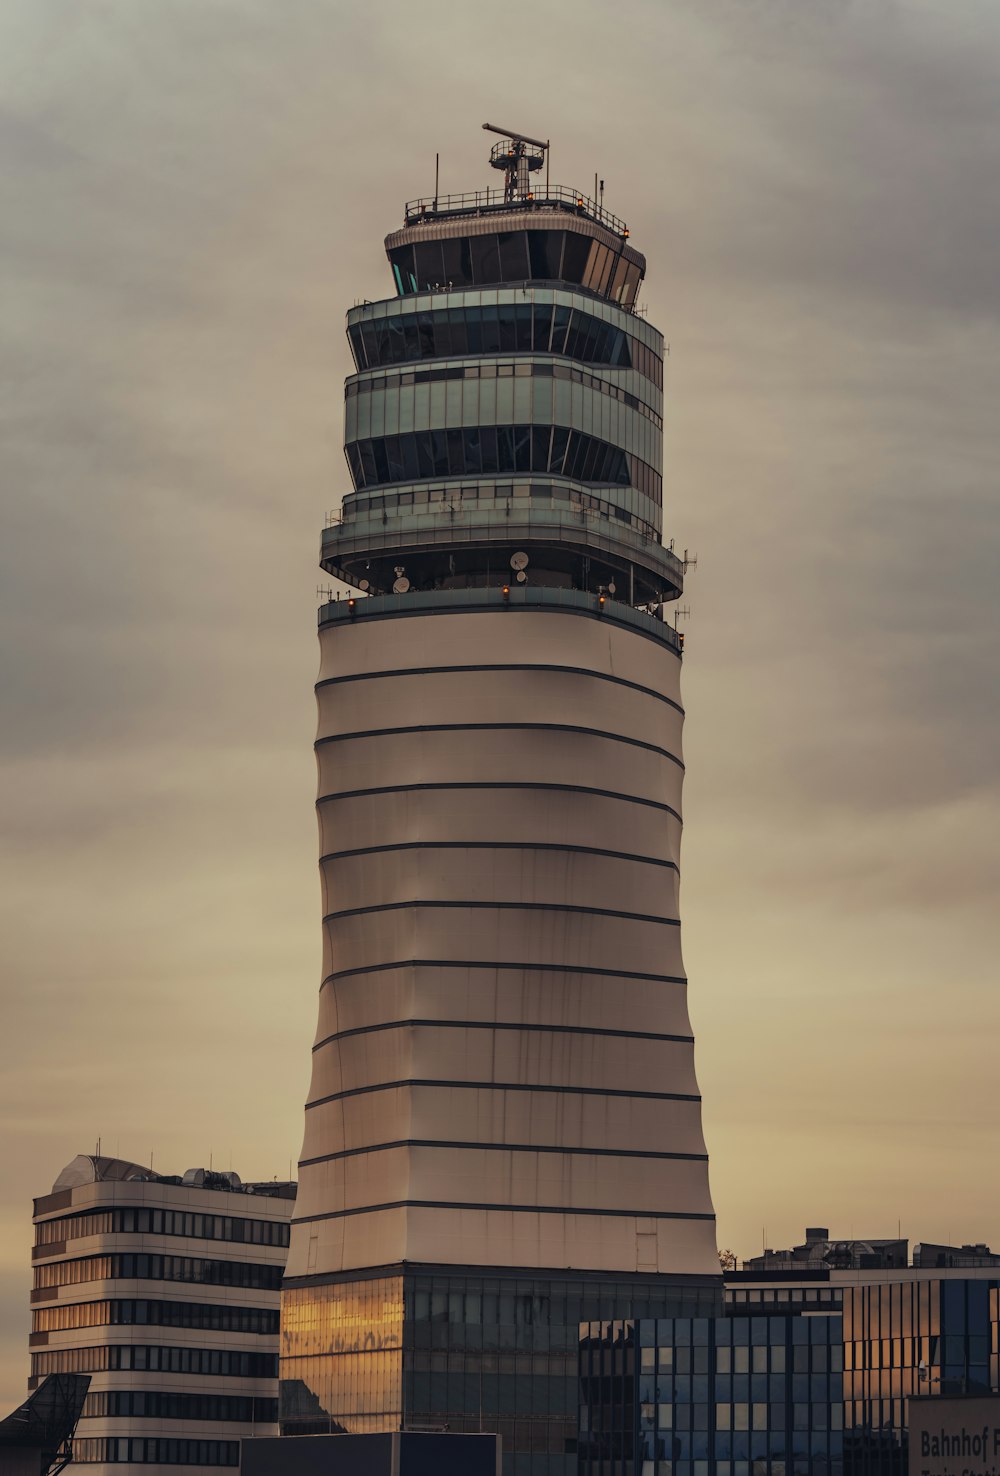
[456, 263]
[560, 323]
[513, 256]
[427, 264]
[545, 252]
[485, 259]
[576, 253]
[558, 453]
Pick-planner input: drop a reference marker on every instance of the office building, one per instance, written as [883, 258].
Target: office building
[810, 1372]
[909, 1330]
[165, 1290]
[712, 1396]
[503, 1132]
[813, 1380]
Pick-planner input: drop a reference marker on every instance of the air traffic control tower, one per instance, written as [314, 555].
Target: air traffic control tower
[503, 1132]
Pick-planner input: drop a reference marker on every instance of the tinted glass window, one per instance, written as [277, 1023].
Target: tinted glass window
[597, 266]
[543, 327]
[455, 332]
[545, 253]
[616, 286]
[632, 279]
[485, 259]
[456, 263]
[457, 318]
[513, 256]
[507, 317]
[560, 322]
[490, 330]
[402, 264]
[575, 255]
[427, 264]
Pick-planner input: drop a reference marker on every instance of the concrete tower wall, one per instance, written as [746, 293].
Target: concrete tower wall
[503, 1072]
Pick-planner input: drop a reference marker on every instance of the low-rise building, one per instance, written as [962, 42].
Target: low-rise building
[810, 1372]
[165, 1290]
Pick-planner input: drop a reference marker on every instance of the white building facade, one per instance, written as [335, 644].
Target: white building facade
[165, 1290]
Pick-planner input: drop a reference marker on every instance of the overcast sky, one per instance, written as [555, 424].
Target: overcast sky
[194, 191]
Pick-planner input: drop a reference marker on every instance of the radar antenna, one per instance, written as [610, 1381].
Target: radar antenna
[518, 156]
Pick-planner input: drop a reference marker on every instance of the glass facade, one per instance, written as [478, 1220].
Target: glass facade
[890, 1329]
[141, 1221]
[205, 1362]
[158, 1268]
[342, 1357]
[156, 1451]
[470, 1352]
[541, 325]
[487, 257]
[160, 1404]
[495, 497]
[139, 1312]
[525, 369]
[486, 450]
[497, 390]
[712, 1396]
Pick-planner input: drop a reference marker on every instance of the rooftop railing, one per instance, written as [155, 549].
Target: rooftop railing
[483, 202]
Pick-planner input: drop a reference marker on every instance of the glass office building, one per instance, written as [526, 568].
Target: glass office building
[712, 1396]
[807, 1374]
[503, 1130]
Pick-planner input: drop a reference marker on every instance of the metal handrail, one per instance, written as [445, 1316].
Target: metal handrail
[463, 524]
[616, 612]
[480, 202]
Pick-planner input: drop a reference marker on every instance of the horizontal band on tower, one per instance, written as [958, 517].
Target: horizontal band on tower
[459, 963]
[499, 1025]
[393, 607]
[647, 917]
[424, 845]
[632, 799]
[513, 1209]
[501, 728]
[499, 1148]
[602, 676]
[500, 1086]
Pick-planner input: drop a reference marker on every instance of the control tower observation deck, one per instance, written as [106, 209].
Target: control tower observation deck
[503, 1110]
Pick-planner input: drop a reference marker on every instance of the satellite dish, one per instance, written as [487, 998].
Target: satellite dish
[364, 586]
[519, 560]
[401, 585]
[521, 577]
[611, 588]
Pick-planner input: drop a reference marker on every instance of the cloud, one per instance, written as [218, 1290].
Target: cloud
[198, 192]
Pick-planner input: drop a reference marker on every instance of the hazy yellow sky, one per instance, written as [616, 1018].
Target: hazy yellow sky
[194, 192]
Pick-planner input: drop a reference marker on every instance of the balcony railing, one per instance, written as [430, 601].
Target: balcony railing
[453, 601]
[484, 202]
[410, 528]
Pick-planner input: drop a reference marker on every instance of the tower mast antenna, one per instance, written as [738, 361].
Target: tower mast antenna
[517, 160]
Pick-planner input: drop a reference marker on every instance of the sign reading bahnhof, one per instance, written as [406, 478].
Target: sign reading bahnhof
[955, 1437]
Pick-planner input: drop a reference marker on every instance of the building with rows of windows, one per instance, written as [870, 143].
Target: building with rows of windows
[809, 1372]
[165, 1290]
